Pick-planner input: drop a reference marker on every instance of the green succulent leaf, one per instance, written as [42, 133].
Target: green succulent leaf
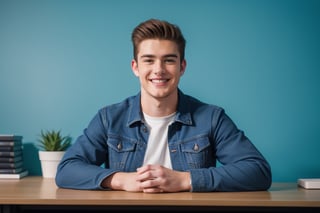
[53, 141]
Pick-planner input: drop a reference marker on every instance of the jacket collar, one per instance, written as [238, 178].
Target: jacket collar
[183, 111]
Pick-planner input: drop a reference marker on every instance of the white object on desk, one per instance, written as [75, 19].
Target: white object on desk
[309, 183]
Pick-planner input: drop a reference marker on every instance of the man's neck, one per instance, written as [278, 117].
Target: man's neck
[159, 107]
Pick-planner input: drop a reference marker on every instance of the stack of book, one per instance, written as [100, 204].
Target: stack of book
[11, 157]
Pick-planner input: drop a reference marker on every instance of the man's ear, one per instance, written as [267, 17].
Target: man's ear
[134, 67]
[183, 67]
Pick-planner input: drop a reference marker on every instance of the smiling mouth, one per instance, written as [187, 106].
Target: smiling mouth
[159, 80]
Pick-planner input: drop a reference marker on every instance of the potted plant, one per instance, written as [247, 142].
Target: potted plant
[52, 146]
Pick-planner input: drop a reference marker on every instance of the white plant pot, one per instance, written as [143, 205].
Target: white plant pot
[49, 162]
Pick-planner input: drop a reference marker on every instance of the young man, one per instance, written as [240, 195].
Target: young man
[162, 140]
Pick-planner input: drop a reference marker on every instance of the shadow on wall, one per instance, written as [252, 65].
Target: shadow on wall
[31, 159]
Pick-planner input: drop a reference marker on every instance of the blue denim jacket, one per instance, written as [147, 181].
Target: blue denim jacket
[201, 135]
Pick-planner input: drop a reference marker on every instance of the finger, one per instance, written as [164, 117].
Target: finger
[141, 170]
[144, 176]
[144, 168]
[153, 190]
[150, 183]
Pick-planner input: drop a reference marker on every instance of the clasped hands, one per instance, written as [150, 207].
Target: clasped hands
[149, 179]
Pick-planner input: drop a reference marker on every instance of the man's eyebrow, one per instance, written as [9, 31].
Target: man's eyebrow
[165, 56]
[147, 56]
[171, 55]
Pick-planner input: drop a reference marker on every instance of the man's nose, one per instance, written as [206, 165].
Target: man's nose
[159, 68]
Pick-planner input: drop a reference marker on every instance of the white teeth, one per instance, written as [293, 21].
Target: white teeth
[158, 80]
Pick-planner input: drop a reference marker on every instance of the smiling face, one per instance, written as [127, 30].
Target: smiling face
[159, 68]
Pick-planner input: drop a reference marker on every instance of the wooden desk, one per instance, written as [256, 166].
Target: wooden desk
[32, 194]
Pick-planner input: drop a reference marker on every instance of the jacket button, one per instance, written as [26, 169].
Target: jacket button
[119, 146]
[196, 147]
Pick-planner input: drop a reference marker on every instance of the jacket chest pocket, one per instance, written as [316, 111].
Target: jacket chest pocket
[120, 150]
[197, 152]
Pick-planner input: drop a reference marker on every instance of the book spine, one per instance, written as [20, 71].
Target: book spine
[11, 165]
[10, 159]
[10, 143]
[10, 137]
[10, 154]
[11, 171]
[19, 175]
[10, 148]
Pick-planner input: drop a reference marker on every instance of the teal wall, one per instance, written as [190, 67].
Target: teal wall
[62, 60]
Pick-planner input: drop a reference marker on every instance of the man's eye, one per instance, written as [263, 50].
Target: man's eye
[170, 60]
[148, 61]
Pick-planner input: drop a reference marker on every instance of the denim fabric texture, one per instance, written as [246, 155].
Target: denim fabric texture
[201, 135]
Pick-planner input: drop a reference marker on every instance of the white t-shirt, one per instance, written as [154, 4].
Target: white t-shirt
[157, 149]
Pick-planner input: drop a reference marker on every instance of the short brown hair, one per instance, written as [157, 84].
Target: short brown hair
[157, 29]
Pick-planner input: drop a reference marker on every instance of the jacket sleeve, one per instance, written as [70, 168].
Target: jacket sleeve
[82, 165]
[241, 167]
